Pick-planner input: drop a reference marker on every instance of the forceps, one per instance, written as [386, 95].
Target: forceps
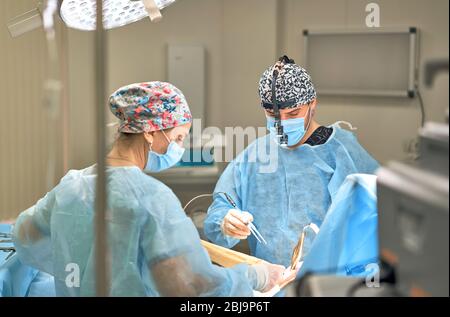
[251, 226]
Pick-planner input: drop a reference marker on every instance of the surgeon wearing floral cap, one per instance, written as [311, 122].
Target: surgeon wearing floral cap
[154, 247]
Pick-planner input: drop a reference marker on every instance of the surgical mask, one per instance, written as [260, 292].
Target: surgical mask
[159, 162]
[293, 128]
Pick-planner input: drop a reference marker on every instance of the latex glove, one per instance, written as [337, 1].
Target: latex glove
[289, 275]
[268, 275]
[235, 223]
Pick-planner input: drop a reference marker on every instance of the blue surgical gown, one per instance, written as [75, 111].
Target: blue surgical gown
[154, 247]
[285, 190]
[347, 243]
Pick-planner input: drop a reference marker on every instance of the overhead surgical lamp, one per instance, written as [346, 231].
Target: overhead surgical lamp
[81, 14]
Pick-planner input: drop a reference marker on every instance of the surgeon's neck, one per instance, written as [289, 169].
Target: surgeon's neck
[129, 151]
[312, 127]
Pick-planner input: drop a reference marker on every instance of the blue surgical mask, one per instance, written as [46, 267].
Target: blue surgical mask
[293, 128]
[159, 162]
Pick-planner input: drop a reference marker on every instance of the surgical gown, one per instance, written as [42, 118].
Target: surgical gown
[347, 243]
[284, 199]
[154, 247]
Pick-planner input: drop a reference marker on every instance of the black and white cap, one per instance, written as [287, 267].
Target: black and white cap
[294, 86]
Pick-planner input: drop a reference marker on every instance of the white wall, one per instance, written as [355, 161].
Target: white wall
[138, 52]
[25, 128]
[385, 125]
[240, 42]
[249, 47]
[82, 98]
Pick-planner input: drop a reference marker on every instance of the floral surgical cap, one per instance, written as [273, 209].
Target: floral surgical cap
[150, 106]
[294, 87]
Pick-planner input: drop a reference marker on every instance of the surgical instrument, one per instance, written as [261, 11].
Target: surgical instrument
[251, 226]
[298, 250]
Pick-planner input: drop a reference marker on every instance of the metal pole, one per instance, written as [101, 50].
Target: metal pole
[101, 251]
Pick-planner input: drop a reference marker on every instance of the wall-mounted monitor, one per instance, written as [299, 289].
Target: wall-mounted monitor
[367, 62]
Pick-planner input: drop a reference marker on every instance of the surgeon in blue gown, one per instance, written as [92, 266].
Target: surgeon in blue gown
[154, 247]
[283, 189]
